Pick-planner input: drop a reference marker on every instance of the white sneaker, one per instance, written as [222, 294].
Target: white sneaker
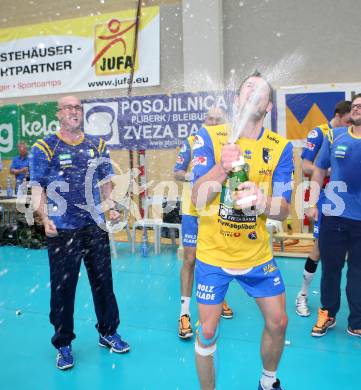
[301, 305]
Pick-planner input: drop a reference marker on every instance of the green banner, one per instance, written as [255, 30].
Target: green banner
[9, 131]
[37, 120]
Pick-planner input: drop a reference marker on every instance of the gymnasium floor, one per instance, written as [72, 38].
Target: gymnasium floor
[147, 292]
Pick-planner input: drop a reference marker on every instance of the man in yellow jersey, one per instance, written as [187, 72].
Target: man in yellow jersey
[315, 138]
[233, 243]
[182, 173]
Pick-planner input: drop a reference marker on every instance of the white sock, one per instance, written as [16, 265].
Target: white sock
[185, 302]
[307, 279]
[268, 378]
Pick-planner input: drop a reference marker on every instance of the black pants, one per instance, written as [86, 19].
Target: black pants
[66, 252]
[340, 236]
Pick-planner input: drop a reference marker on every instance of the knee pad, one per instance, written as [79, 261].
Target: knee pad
[204, 341]
[204, 351]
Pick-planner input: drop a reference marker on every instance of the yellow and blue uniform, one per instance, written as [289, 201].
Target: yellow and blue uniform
[64, 170]
[341, 222]
[313, 145]
[189, 213]
[54, 160]
[341, 150]
[228, 238]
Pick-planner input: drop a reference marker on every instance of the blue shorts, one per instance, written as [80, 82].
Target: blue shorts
[189, 230]
[212, 282]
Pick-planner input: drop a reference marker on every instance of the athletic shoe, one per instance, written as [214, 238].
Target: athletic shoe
[64, 358]
[276, 385]
[114, 343]
[324, 322]
[301, 305]
[226, 311]
[354, 332]
[184, 327]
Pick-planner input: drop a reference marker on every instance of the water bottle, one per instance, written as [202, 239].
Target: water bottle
[9, 188]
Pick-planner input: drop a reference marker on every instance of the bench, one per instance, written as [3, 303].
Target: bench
[282, 236]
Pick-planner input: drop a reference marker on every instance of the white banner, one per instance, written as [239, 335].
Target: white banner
[84, 54]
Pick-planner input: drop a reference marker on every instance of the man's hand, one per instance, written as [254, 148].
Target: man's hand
[229, 154]
[250, 195]
[312, 212]
[114, 215]
[50, 228]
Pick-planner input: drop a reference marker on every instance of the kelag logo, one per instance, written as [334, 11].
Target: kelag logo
[6, 137]
[100, 119]
[114, 43]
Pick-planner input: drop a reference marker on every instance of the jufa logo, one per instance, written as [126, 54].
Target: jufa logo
[114, 42]
[6, 137]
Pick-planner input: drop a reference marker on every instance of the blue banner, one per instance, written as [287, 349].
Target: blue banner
[151, 122]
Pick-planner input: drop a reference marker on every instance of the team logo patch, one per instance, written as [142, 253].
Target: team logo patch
[340, 151]
[200, 160]
[266, 155]
[252, 236]
[64, 156]
[310, 146]
[312, 134]
[198, 142]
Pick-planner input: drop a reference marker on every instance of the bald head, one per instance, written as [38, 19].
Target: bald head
[215, 116]
[70, 113]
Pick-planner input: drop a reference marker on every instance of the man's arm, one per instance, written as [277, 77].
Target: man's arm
[39, 204]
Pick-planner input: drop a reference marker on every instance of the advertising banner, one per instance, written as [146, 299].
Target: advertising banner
[301, 108]
[151, 122]
[9, 131]
[83, 54]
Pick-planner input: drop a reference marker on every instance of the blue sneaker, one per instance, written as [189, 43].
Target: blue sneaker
[64, 358]
[276, 385]
[114, 343]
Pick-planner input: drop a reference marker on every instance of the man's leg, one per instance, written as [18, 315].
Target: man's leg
[334, 241]
[275, 317]
[64, 260]
[353, 289]
[309, 273]
[98, 264]
[187, 276]
[189, 238]
[205, 348]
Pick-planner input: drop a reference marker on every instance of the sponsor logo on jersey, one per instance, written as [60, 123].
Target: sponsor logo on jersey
[183, 148]
[310, 146]
[247, 154]
[200, 160]
[273, 139]
[265, 172]
[180, 160]
[252, 236]
[198, 142]
[313, 134]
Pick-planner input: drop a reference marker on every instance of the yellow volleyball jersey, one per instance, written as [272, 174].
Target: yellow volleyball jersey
[187, 205]
[227, 237]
